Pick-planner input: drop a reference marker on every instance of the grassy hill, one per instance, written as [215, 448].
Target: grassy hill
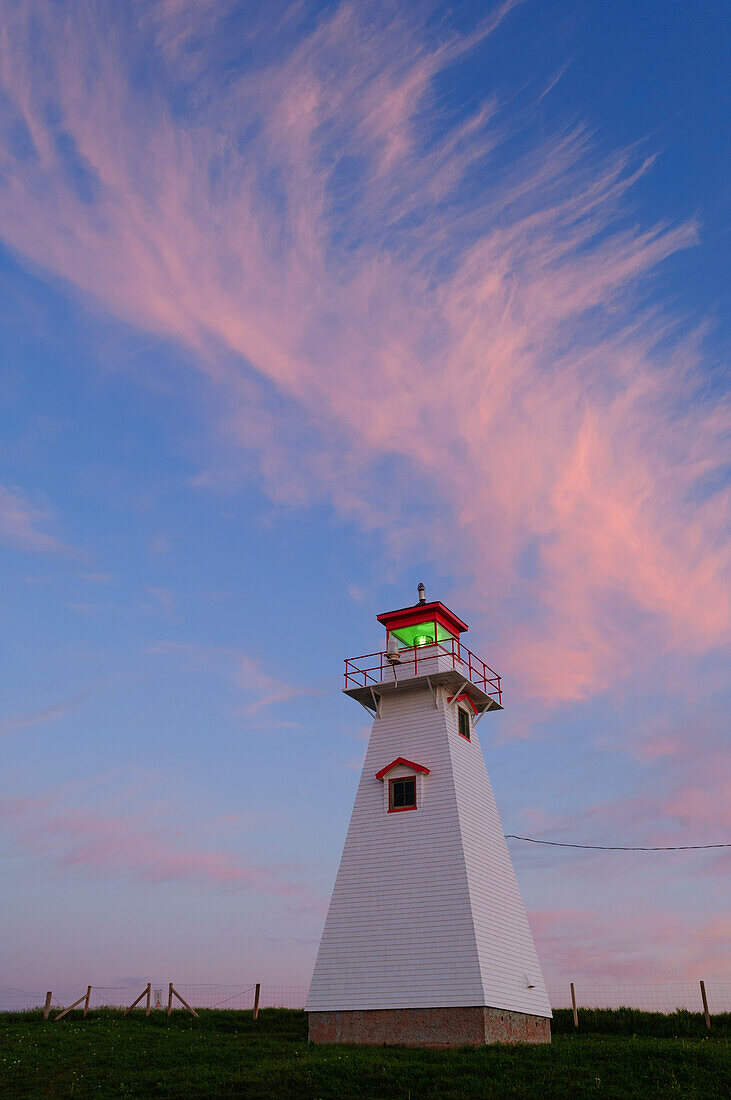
[226, 1053]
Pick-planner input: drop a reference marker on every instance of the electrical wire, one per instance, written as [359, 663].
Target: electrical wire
[616, 848]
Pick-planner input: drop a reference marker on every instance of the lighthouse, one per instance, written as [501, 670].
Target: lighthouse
[426, 941]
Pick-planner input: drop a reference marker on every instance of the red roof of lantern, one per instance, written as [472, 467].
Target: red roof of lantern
[421, 613]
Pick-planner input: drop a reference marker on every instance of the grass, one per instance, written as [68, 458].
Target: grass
[225, 1053]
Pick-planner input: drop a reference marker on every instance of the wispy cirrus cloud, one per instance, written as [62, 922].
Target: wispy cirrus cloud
[689, 795]
[657, 946]
[41, 716]
[387, 283]
[78, 839]
[20, 523]
[243, 671]
[679, 794]
[163, 597]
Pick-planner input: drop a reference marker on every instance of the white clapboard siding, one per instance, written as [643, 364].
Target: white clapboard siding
[508, 960]
[425, 911]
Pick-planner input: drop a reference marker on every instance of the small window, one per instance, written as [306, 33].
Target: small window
[412, 636]
[402, 793]
[465, 726]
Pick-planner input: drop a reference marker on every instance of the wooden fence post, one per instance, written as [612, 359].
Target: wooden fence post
[182, 1000]
[170, 999]
[86, 1000]
[136, 1001]
[62, 1014]
[147, 1007]
[705, 1005]
[47, 1005]
[573, 1005]
[256, 999]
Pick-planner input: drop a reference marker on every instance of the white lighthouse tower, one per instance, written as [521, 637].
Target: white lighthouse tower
[426, 940]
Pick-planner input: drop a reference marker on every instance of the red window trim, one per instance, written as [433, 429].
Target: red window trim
[463, 699]
[399, 809]
[406, 763]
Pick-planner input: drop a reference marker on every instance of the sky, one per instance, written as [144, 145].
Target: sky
[304, 304]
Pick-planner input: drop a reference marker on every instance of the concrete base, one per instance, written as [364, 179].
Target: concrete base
[428, 1027]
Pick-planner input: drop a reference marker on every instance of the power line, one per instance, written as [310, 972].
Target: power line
[618, 847]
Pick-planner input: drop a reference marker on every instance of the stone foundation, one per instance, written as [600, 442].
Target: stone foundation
[428, 1027]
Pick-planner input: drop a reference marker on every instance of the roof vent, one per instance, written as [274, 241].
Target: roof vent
[422, 593]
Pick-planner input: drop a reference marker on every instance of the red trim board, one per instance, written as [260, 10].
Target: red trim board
[406, 763]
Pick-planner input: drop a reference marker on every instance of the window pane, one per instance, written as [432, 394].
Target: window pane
[403, 793]
[464, 722]
[420, 634]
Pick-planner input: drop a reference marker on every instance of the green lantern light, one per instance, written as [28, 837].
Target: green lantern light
[423, 639]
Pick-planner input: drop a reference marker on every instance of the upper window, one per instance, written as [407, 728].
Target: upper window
[465, 725]
[402, 793]
[421, 634]
[411, 636]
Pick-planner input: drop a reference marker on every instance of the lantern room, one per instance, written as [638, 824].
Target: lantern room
[423, 647]
[421, 624]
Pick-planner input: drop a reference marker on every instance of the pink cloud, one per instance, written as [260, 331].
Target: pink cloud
[707, 807]
[680, 796]
[40, 716]
[19, 520]
[595, 948]
[245, 672]
[164, 597]
[74, 839]
[692, 784]
[493, 348]
[500, 352]
[656, 747]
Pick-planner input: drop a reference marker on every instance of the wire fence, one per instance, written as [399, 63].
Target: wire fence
[121, 996]
[665, 997]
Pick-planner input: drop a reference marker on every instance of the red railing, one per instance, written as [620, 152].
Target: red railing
[474, 669]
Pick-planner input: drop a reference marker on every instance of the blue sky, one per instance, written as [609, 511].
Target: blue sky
[297, 312]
